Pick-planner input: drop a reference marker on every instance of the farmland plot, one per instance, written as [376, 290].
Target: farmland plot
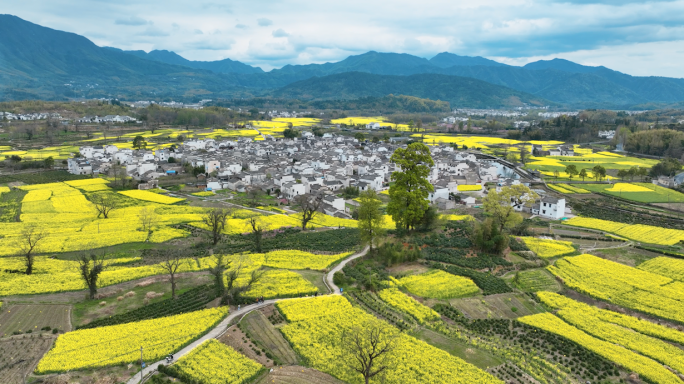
[19, 356]
[23, 318]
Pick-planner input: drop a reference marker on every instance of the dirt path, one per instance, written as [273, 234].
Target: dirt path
[223, 325]
[329, 277]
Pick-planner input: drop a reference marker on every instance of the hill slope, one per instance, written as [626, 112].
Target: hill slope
[458, 91]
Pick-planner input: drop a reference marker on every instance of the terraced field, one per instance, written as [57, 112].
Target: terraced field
[19, 355]
[295, 374]
[23, 318]
[268, 337]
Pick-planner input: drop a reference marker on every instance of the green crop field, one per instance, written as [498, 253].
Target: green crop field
[656, 195]
[536, 280]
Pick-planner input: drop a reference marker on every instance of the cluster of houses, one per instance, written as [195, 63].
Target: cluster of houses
[170, 104]
[562, 150]
[288, 168]
[108, 119]
[29, 116]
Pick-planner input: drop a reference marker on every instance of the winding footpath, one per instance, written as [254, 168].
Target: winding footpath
[223, 325]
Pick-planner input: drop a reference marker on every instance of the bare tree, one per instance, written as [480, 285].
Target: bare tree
[216, 220]
[90, 266]
[104, 204]
[118, 173]
[148, 218]
[217, 271]
[309, 205]
[371, 345]
[173, 260]
[28, 243]
[257, 232]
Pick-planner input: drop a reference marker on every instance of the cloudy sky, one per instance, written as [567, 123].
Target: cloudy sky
[643, 38]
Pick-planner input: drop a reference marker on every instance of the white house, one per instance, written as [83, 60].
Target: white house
[552, 208]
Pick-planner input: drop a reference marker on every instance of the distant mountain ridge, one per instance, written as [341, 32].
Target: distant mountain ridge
[39, 62]
[458, 91]
[220, 66]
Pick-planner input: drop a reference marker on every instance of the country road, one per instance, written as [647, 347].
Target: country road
[221, 327]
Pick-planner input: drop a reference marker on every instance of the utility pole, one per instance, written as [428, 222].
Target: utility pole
[142, 365]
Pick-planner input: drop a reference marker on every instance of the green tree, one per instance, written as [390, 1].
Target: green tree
[583, 173]
[49, 162]
[501, 205]
[359, 136]
[571, 170]
[370, 218]
[622, 173]
[139, 142]
[599, 172]
[290, 133]
[667, 167]
[489, 238]
[409, 193]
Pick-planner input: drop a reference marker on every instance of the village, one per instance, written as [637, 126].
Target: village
[322, 166]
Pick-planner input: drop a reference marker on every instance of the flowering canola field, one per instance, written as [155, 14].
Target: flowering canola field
[315, 331]
[438, 284]
[151, 196]
[548, 248]
[279, 283]
[569, 309]
[399, 300]
[665, 266]
[638, 232]
[54, 275]
[117, 344]
[623, 285]
[216, 363]
[645, 367]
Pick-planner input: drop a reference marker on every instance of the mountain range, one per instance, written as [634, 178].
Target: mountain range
[39, 62]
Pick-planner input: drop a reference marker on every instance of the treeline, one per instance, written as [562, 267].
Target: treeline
[100, 108]
[156, 115]
[386, 104]
[657, 142]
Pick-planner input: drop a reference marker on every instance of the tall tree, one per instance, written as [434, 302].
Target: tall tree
[370, 346]
[309, 205]
[172, 262]
[257, 232]
[571, 170]
[28, 243]
[216, 220]
[370, 218]
[104, 204]
[139, 142]
[599, 172]
[409, 193]
[148, 218]
[583, 173]
[501, 205]
[90, 266]
[217, 271]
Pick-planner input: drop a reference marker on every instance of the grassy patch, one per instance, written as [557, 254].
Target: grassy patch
[41, 177]
[656, 194]
[10, 205]
[89, 310]
[470, 354]
[535, 280]
[316, 278]
[501, 306]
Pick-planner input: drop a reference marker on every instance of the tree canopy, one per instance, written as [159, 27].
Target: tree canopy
[409, 193]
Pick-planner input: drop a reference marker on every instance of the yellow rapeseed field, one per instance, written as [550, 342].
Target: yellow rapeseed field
[120, 344]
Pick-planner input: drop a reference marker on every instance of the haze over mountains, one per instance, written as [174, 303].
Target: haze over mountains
[39, 62]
